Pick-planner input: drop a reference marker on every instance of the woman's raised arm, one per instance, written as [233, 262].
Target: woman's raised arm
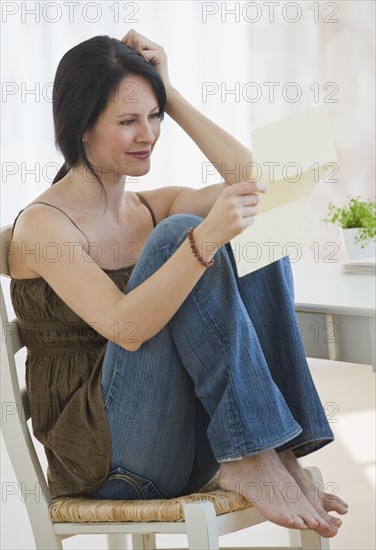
[232, 159]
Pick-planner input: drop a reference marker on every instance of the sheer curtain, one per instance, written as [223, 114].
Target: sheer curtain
[197, 51]
[328, 56]
[244, 64]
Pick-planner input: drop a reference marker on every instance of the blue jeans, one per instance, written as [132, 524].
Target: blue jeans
[227, 377]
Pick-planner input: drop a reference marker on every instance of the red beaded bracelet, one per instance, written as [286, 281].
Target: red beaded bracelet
[195, 251]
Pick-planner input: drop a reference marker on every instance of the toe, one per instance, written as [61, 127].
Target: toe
[310, 521]
[286, 519]
[340, 508]
[327, 532]
[336, 522]
[331, 503]
[300, 523]
[327, 518]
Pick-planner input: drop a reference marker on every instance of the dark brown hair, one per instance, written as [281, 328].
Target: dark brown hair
[85, 78]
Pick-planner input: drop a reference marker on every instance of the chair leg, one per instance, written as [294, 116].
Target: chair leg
[307, 540]
[311, 540]
[44, 541]
[294, 538]
[118, 541]
[144, 542]
[201, 525]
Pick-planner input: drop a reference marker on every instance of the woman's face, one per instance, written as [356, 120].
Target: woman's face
[122, 139]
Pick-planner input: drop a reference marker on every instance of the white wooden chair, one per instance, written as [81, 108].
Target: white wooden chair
[203, 517]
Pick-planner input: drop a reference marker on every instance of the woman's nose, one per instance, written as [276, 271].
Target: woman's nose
[146, 133]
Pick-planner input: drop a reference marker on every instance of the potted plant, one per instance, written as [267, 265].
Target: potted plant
[357, 220]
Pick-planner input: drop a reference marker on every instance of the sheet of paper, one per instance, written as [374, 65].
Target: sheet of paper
[282, 192]
[304, 139]
[291, 156]
[264, 242]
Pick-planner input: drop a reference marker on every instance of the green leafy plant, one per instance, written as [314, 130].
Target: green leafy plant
[355, 214]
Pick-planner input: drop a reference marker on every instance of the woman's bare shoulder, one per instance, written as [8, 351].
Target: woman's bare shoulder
[161, 199]
[36, 227]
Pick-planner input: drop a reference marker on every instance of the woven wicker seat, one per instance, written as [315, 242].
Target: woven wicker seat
[202, 516]
[81, 510]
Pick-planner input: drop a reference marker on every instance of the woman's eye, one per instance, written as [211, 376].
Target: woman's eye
[153, 116]
[158, 115]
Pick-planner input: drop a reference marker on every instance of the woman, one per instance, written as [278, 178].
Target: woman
[150, 367]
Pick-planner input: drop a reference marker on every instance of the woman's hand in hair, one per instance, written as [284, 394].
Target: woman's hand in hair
[150, 51]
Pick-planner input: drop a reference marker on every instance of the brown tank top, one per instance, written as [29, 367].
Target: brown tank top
[63, 380]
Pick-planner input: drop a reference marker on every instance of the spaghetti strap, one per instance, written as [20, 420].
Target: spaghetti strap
[144, 201]
[52, 206]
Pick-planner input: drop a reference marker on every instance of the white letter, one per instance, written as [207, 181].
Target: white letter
[245, 12]
[98, 12]
[206, 11]
[258, 91]
[235, 92]
[210, 88]
[8, 88]
[5, 11]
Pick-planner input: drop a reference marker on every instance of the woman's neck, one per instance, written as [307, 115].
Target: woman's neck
[86, 193]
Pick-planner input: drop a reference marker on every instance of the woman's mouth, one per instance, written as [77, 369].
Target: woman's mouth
[140, 154]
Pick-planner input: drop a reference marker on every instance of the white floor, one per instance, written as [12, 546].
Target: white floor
[348, 466]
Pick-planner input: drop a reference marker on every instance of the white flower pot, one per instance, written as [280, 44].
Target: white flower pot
[353, 250]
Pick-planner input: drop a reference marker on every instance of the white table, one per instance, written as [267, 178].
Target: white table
[336, 312]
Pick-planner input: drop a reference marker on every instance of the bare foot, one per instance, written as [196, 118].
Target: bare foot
[264, 481]
[322, 502]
